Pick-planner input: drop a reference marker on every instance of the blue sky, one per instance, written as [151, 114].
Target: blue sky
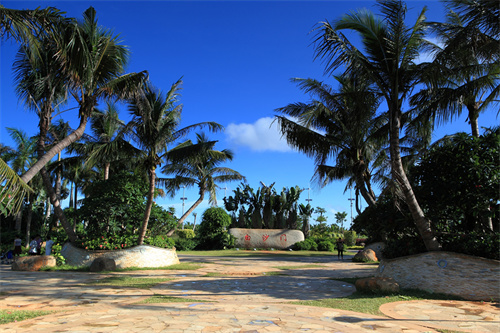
[236, 59]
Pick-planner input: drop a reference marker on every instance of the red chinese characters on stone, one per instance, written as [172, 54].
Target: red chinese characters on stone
[283, 238]
[247, 237]
[265, 237]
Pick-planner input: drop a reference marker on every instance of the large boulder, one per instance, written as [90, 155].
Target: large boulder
[103, 264]
[366, 255]
[33, 263]
[378, 247]
[377, 285]
[266, 238]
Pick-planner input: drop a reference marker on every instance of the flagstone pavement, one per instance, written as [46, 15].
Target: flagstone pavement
[247, 298]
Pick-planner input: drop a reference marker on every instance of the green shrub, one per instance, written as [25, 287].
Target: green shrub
[326, 245]
[306, 245]
[185, 244]
[185, 233]
[211, 234]
[350, 238]
[160, 241]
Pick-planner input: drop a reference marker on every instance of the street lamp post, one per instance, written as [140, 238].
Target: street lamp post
[308, 195]
[351, 200]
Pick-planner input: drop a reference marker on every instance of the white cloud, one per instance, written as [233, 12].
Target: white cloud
[263, 135]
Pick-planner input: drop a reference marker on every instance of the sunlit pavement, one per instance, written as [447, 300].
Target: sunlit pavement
[248, 298]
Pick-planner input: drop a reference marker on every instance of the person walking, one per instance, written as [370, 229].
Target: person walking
[340, 249]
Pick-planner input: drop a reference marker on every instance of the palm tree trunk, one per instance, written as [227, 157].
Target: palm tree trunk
[149, 205]
[51, 193]
[77, 134]
[106, 171]
[71, 195]
[19, 219]
[473, 116]
[399, 174]
[58, 212]
[28, 219]
[186, 214]
[47, 204]
[360, 185]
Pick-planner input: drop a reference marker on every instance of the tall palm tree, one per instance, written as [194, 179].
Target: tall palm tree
[465, 73]
[93, 61]
[200, 168]
[155, 126]
[388, 60]
[84, 58]
[342, 124]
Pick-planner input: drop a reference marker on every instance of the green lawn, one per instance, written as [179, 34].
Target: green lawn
[370, 303]
[9, 316]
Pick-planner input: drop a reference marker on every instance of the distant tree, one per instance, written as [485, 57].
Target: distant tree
[340, 217]
[306, 211]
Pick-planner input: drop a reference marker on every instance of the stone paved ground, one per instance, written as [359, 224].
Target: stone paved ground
[245, 300]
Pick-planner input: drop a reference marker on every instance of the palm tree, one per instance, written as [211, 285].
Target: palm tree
[107, 143]
[93, 61]
[42, 87]
[465, 72]
[387, 60]
[342, 124]
[200, 168]
[20, 158]
[154, 126]
[28, 26]
[86, 59]
[12, 191]
[306, 212]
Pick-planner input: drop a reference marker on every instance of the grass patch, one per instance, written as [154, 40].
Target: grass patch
[215, 274]
[129, 282]
[260, 253]
[285, 268]
[64, 268]
[9, 316]
[368, 303]
[168, 299]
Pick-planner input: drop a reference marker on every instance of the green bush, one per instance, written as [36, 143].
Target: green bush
[185, 244]
[306, 245]
[326, 245]
[350, 238]
[211, 234]
[185, 233]
[160, 241]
